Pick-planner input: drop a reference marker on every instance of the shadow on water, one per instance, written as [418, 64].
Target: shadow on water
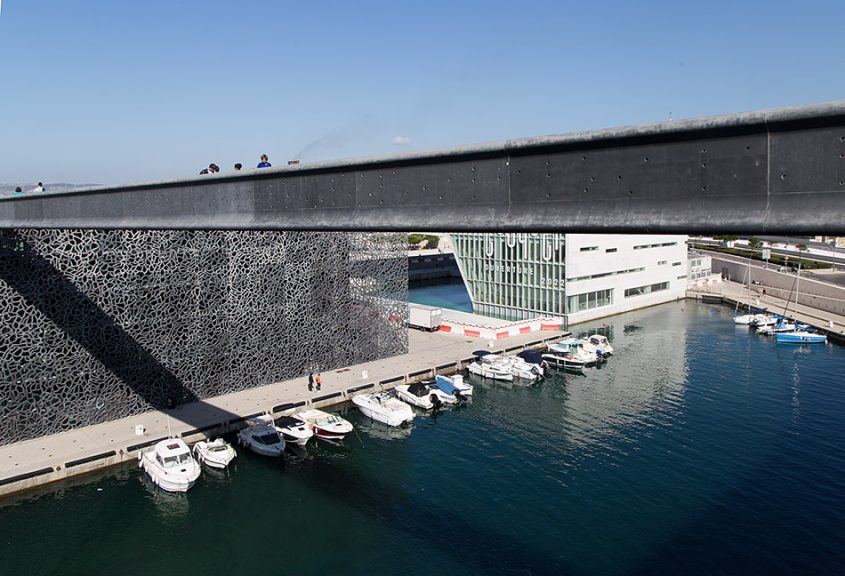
[425, 521]
[82, 320]
[775, 509]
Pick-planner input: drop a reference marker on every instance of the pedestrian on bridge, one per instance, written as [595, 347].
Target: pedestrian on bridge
[310, 381]
[319, 381]
[265, 162]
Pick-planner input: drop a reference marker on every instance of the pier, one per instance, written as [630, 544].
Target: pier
[731, 293]
[32, 463]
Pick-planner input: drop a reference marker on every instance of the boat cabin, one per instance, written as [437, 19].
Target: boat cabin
[172, 453]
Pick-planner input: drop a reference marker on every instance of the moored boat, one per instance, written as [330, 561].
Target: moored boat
[487, 366]
[599, 344]
[215, 453]
[326, 425]
[262, 437]
[170, 465]
[424, 395]
[384, 407]
[800, 336]
[454, 385]
[574, 347]
[564, 361]
[294, 430]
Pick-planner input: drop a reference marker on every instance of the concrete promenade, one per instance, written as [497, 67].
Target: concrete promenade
[733, 292]
[35, 462]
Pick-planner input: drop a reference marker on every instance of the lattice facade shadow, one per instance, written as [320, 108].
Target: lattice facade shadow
[99, 325]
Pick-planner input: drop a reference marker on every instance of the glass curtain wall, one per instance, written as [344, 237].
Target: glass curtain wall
[513, 275]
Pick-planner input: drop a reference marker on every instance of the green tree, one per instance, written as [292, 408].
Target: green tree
[755, 243]
[801, 247]
[431, 241]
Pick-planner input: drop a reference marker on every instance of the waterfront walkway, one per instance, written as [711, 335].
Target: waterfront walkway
[50, 458]
[733, 292]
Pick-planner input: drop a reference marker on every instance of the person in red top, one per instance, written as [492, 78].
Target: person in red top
[318, 381]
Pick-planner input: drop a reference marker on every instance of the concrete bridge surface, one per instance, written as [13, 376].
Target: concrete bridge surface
[776, 171]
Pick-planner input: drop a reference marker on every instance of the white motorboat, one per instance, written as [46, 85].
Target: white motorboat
[574, 347]
[487, 365]
[170, 465]
[564, 361]
[744, 319]
[215, 453]
[294, 430]
[761, 320]
[262, 437]
[384, 407]
[780, 326]
[453, 384]
[522, 369]
[424, 395]
[598, 344]
[325, 425]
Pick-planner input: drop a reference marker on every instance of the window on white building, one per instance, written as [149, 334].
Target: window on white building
[590, 300]
[641, 290]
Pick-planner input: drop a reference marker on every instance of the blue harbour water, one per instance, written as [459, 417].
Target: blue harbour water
[698, 449]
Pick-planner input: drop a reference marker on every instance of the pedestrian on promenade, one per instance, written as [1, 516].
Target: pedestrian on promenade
[265, 162]
[39, 188]
[319, 381]
[238, 167]
[18, 190]
[310, 381]
[212, 169]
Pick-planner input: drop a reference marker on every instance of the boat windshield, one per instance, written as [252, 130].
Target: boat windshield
[327, 420]
[268, 438]
[217, 448]
[176, 460]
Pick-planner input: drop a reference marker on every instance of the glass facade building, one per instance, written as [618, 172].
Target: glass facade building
[576, 277]
[513, 275]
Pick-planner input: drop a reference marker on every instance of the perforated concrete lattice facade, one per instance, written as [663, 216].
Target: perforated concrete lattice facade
[99, 325]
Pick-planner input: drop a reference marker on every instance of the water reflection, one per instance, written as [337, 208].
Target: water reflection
[383, 431]
[170, 507]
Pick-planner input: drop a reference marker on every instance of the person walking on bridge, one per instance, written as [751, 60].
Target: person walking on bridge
[265, 162]
[319, 381]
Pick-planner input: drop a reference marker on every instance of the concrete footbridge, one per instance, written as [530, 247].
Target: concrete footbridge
[774, 171]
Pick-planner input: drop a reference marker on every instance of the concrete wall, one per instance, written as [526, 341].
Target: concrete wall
[820, 295]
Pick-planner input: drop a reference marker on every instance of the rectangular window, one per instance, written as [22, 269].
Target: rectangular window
[589, 248]
[682, 277]
[662, 263]
[603, 274]
[610, 250]
[641, 290]
[590, 300]
[644, 246]
[676, 263]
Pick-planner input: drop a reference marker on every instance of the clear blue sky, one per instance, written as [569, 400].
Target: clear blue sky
[110, 91]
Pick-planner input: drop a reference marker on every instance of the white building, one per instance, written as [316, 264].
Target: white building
[576, 276]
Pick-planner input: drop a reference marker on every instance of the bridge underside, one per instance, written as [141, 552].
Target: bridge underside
[779, 171]
[99, 325]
